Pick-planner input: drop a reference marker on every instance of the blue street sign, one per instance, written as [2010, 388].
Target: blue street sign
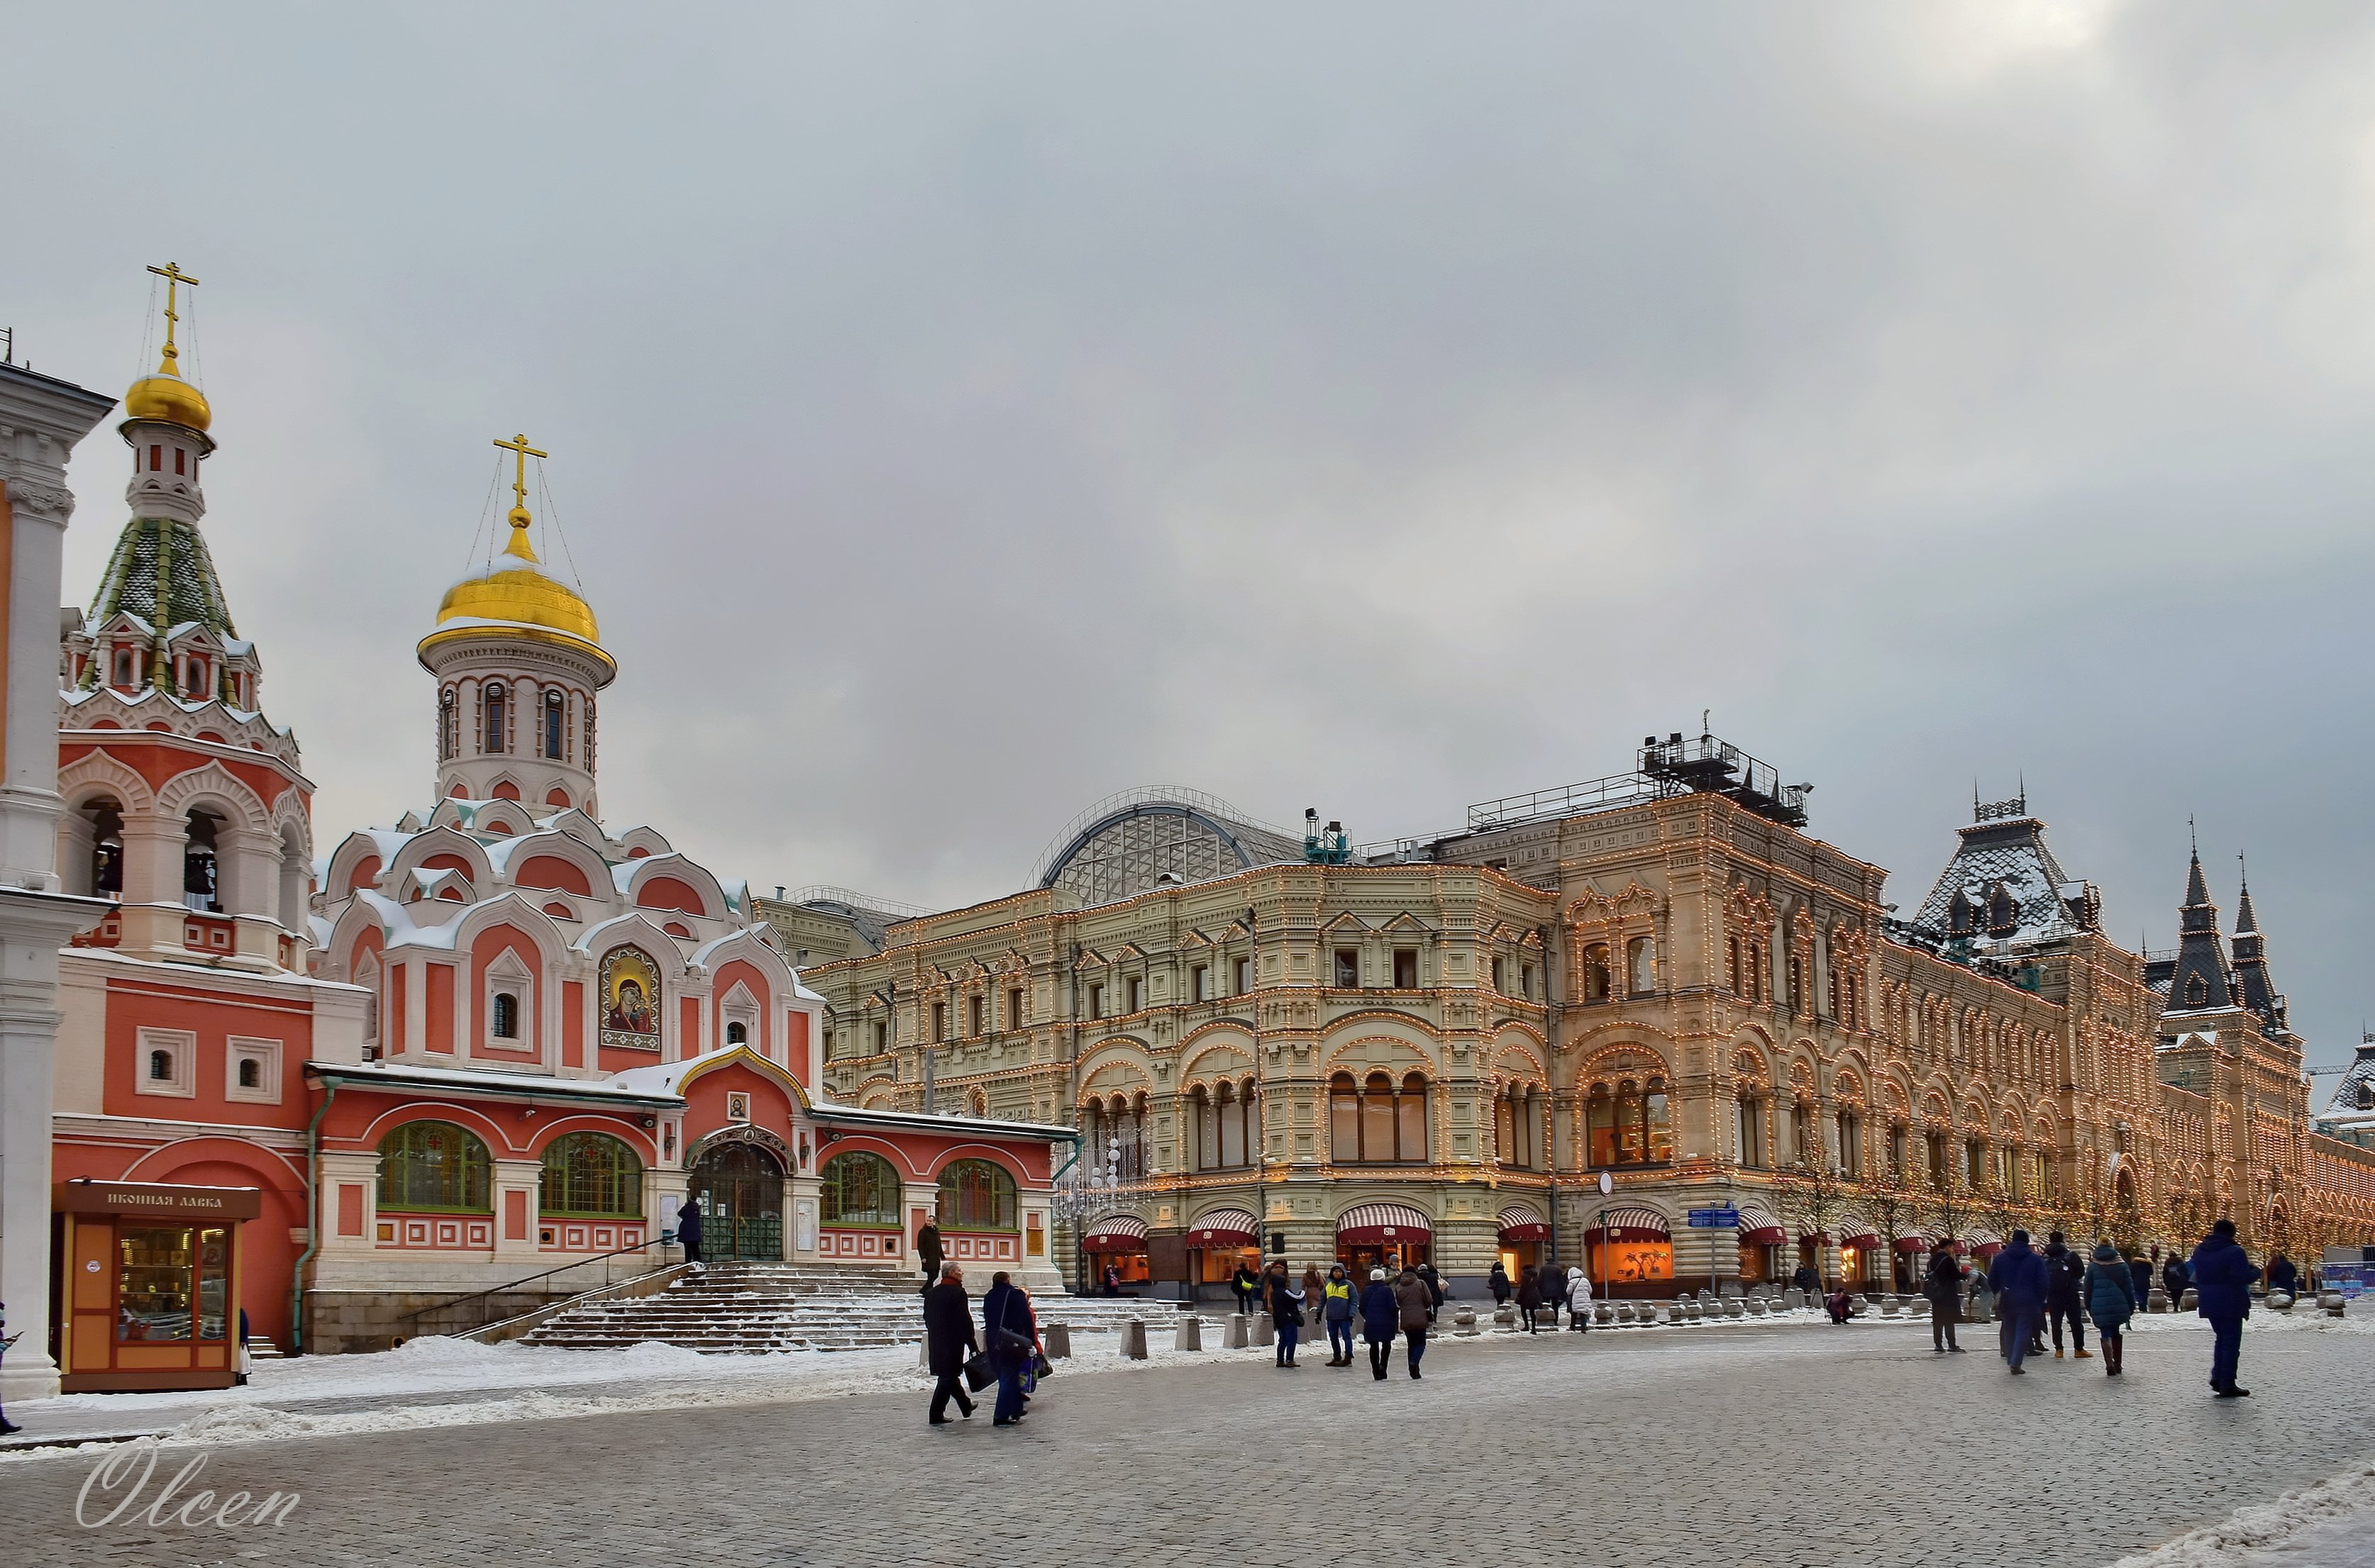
[1714, 1219]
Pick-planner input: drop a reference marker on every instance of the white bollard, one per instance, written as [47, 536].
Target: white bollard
[1056, 1340]
[1133, 1339]
[1239, 1332]
[1187, 1334]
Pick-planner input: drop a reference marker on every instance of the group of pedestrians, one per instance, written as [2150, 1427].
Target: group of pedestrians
[1009, 1337]
[2058, 1289]
[1552, 1285]
[1402, 1304]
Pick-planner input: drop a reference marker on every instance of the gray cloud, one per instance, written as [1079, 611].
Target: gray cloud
[958, 416]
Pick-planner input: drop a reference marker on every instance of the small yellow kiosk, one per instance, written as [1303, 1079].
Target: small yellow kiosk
[149, 1297]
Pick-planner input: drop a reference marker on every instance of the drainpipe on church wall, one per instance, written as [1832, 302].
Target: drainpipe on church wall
[313, 1219]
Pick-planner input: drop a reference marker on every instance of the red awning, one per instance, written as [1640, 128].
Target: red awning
[1376, 1223]
[1758, 1227]
[1865, 1240]
[1116, 1233]
[1521, 1223]
[1631, 1224]
[1225, 1228]
[1763, 1237]
[1913, 1243]
[1988, 1249]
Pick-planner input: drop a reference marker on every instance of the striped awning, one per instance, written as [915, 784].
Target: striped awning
[1225, 1228]
[1758, 1227]
[1980, 1237]
[1116, 1233]
[1521, 1223]
[1861, 1239]
[1634, 1224]
[1383, 1223]
[1920, 1240]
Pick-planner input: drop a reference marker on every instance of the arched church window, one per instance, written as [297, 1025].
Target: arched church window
[590, 1172]
[552, 726]
[496, 727]
[124, 667]
[736, 1034]
[2196, 994]
[251, 1073]
[507, 1015]
[449, 726]
[976, 1195]
[433, 1165]
[161, 1067]
[1641, 965]
[861, 1188]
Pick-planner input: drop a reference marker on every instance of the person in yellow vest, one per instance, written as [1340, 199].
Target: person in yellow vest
[1336, 1306]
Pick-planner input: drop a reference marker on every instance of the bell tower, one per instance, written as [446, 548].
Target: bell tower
[519, 664]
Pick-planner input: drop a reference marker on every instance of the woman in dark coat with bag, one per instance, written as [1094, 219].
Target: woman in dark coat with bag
[1013, 1336]
[1530, 1296]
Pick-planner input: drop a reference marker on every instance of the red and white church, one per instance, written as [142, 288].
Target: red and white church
[491, 1041]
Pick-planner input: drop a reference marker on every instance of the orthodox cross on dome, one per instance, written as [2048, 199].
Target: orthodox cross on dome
[175, 277]
[520, 451]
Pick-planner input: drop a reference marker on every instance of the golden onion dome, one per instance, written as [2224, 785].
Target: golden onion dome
[515, 595]
[168, 397]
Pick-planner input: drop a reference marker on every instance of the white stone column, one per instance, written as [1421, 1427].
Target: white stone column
[40, 421]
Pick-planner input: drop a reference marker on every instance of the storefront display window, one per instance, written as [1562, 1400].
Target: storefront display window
[154, 1283]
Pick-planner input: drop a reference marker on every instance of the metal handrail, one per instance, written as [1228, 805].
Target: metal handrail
[516, 1284]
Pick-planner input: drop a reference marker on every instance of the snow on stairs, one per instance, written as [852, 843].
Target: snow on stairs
[756, 1308]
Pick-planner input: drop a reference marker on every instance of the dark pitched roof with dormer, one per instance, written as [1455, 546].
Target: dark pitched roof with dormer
[2201, 980]
[2252, 977]
[2004, 884]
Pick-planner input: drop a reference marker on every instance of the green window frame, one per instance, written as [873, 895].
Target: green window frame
[434, 1165]
[976, 1195]
[860, 1187]
[591, 1175]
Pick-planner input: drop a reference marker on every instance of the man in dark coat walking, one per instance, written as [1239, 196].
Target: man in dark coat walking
[687, 1230]
[2140, 1274]
[927, 1251]
[1943, 1286]
[2018, 1279]
[2065, 1271]
[2223, 1273]
[949, 1340]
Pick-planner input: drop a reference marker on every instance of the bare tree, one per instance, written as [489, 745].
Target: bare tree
[1892, 1204]
[1811, 1197]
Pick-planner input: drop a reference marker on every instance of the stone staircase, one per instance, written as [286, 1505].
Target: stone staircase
[756, 1308]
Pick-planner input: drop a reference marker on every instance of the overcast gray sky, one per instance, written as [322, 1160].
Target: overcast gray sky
[959, 413]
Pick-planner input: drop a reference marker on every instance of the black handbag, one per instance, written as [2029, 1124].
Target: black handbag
[978, 1372]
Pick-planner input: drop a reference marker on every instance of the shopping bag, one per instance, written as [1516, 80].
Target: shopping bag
[979, 1373]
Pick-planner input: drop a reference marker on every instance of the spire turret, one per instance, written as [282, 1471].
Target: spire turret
[2201, 980]
[2252, 977]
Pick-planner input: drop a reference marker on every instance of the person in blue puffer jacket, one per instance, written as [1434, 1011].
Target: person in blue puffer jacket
[2111, 1302]
[2223, 1273]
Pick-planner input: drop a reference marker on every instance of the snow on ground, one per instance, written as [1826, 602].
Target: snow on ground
[2327, 1524]
[415, 1385]
[545, 1383]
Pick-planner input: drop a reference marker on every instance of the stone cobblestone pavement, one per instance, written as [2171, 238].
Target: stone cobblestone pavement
[1857, 1448]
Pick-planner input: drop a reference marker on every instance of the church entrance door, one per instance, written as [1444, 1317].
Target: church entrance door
[741, 1189]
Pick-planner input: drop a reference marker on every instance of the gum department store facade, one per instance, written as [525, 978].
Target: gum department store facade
[1437, 1051]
